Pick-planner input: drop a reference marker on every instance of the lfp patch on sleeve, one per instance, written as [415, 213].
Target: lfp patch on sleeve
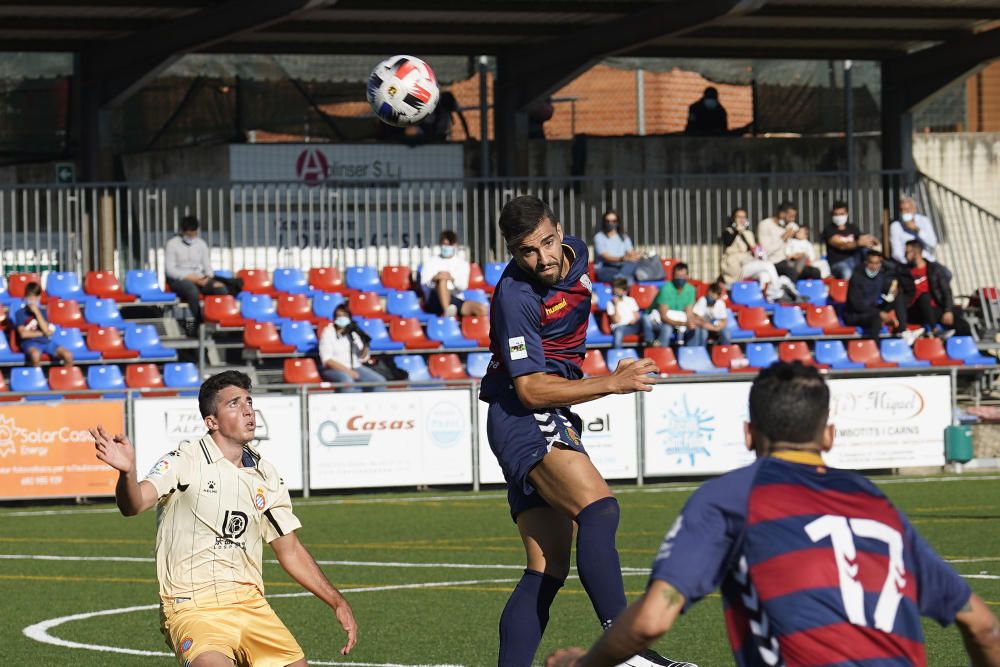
[518, 350]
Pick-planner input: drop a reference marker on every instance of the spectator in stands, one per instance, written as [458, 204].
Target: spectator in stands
[773, 235]
[744, 259]
[932, 302]
[672, 308]
[343, 353]
[799, 250]
[614, 255]
[34, 331]
[626, 317]
[912, 226]
[876, 297]
[189, 268]
[707, 117]
[846, 246]
[708, 318]
[444, 277]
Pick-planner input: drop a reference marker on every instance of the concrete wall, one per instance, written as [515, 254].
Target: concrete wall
[967, 162]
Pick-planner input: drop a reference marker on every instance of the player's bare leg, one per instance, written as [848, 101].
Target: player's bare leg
[547, 535]
[212, 659]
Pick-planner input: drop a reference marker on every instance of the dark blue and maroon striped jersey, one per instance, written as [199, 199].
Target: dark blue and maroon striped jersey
[535, 328]
[815, 565]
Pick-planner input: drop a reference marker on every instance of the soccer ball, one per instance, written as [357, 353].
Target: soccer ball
[402, 90]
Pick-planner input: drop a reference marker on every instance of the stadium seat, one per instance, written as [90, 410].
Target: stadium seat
[865, 351]
[106, 376]
[668, 267]
[68, 379]
[733, 327]
[102, 312]
[29, 378]
[413, 364]
[256, 281]
[700, 287]
[325, 303]
[665, 360]
[258, 308]
[5, 396]
[8, 356]
[105, 285]
[380, 340]
[16, 283]
[837, 290]
[300, 335]
[326, 279]
[291, 280]
[366, 304]
[696, 359]
[396, 278]
[145, 339]
[143, 376]
[761, 355]
[65, 314]
[264, 336]
[755, 319]
[406, 304]
[72, 340]
[477, 329]
[794, 350]
[108, 341]
[898, 351]
[64, 285]
[792, 318]
[732, 357]
[223, 310]
[407, 330]
[932, 350]
[182, 375]
[446, 330]
[602, 294]
[832, 353]
[616, 354]
[604, 324]
[825, 318]
[747, 294]
[815, 292]
[594, 334]
[476, 296]
[446, 366]
[145, 285]
[477, 363]
[964, 348]
[594, 364]
[477, 280]
[295, 307]
[301, 371]
[644, 295]
[4, 299]
[493, 271]
[364, 279]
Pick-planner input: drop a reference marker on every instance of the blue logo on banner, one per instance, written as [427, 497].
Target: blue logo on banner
[687, 432]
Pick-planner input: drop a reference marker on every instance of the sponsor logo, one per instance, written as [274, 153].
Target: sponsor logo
[210, 487]
[887, 402]
[518, 348]
[159, 468]
[259, 501]
[391, 91]
[311, 166]
[186, 644]
[556, 308]
[185, 424]
[16, 439]
[234, 524]
[445, 424]
[686, 432]
[357, 430]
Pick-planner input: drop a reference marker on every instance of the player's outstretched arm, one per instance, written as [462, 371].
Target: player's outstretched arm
[541, 390]
[980, 632]
[131, 496]
[635, 629]
[301, 566]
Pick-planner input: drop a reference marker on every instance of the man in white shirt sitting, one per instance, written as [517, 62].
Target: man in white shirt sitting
[189, 268]
[444, 277]
[911, 226]
[708, 319]
[343, 351]
[625, 316]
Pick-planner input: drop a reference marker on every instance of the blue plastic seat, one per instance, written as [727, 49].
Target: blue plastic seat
[144, 284]
[814, 291]
[897, 350]
[30, 378]
[292, 280]
[476, 295]
[325, 303]
[478, 363]
[365, 279]
[761, 355]
[300, 334]
[747, 293]
[106, 376]
[493, 271]
[72, 340]
[832, 353]
[182, 375]
[414, 364]
[616, 354]
[696, 359]
[733, 327]
[64, 285]
[964, 348]
[380, 340]
[793, 319]
[7, 356]
[447, 330]
[594, 334]
[5, 296]
[144, 339]
[603, 293]
[258, 307]
[102, 312]
[406, 304]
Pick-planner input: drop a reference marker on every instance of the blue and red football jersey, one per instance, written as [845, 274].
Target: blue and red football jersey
[535, 328]
[815, 566]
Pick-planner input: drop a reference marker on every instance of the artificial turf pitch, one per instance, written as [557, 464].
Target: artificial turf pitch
[430, 574]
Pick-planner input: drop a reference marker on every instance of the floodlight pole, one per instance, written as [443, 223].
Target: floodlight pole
[849, 132]
[484, 120]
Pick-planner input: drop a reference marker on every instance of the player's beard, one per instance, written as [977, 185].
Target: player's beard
[553, 277]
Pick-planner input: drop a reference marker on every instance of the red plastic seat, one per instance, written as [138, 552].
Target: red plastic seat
[865, 351]
[594, 364]
[66, 314]
[68, 379]
[478, 329]
[668, 267]
[825, 317]
[932, 350]
[795, 350]
[700, 287]
[604, 324]
[264, 336]
[446, 367]
[105, 285]
[143, 376]
[223, 309]
[731, 357]
[257, 281]
[396, 277]
[665, 360]
[16, 282]
[301, 371]
[5, 396]
[838, 290]
[295, 307]
[326, 279]
[477, 280]
[407, 331]
[367, 304]
[644, 295]
[108, 341]
[756, 320]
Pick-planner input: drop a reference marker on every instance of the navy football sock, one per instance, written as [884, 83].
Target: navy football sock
[524, 618]
[597, 558]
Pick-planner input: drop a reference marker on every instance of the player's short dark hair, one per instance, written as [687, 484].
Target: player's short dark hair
[189, 223]
[521, 215]
[789, 402]
[787, 206]
[32, 289]
[680, 266]
[620, 282]
[448, 236]
[839, 204]
[211, 387]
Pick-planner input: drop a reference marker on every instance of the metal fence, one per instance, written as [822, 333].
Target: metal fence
[268, 225]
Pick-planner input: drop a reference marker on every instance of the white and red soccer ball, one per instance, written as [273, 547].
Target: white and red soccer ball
[402, 90]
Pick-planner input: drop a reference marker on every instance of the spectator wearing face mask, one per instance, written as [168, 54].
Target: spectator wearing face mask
[614, 255]
[773, 235]
[343, 353]
[444, 277]
[34, 333]
[626, 317]
[846, 246]
[744, 259]
[707, 117]
[912, 226]
[672, 308]
[189, 268]
[932, 301]
[708, 321]
[876, 296]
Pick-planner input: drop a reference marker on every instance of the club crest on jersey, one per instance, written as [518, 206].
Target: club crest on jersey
[186, 644]
[585, 281]
[258, 500]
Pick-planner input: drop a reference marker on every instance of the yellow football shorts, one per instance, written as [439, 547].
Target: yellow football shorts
[247, 632]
